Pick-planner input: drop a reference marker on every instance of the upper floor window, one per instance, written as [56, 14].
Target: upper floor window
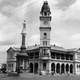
[45, 35]
[45, 43]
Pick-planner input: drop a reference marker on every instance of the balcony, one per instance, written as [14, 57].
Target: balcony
[45, 57]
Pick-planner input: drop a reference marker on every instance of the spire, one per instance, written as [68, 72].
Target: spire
[24, 28]
[45, 10]
[23, 33]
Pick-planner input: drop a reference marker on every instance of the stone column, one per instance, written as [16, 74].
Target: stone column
[65, 68]
[74, 68]
[49, 66]
[69, 68]
[60, 67]
[55, 68]
[23, 64]
[39, 67]
[14, 66]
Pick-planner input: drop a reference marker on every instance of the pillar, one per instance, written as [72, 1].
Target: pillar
[14, 66]
[49, 67]
[55, 68]
[23, 64]
[64, 68]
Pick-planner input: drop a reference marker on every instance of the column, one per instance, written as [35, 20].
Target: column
[23, 63]
[64, 68]
[69, 68]
[55, 68]
[55, 56]
[49, 66]
[60, 68]
[39, 68]
[74, 68]
[14, 66]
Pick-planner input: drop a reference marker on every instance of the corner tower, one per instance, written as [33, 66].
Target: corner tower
[45, 26]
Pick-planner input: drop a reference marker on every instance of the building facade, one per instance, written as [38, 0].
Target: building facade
[43, 57]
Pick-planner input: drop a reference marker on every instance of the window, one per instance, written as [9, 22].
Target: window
[44, 51]
[44, 66]
[45, 43]
[45, 35]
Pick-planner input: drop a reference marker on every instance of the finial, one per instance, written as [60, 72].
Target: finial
[24, 21]
[24, 27]
[45, 10]
[54, 45]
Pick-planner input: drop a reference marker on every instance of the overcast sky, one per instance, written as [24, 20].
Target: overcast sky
[65, 23]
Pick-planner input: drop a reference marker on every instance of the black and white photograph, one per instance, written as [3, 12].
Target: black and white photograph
[39, 39]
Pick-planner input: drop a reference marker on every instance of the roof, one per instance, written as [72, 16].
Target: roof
[33, 47]
[23, 54]
[72, 49]
[58, 48]
[53, 47]
[16, 49]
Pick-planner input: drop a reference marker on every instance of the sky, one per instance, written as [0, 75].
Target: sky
[65, 24]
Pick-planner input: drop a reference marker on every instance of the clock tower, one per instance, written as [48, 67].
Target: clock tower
[45, 26]
[45, 29]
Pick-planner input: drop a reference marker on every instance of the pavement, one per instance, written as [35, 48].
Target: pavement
[31, 76]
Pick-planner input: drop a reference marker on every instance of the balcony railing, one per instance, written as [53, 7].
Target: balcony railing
[45, 57]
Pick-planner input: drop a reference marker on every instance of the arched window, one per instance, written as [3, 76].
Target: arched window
[36, 68]
[67, 68]
[53, 67]
[71, 68]
[45, 43]
[58, 68]
[62, 68]
[44, 66]
[31, 67]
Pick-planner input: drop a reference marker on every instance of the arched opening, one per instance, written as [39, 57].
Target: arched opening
[36, 68]
[58, 68]
[31, 67]
[53, 67]
[62, 68]
[71, 68]
[67, 68]
[44, 66]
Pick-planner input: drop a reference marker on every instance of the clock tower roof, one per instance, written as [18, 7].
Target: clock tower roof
[45, 10]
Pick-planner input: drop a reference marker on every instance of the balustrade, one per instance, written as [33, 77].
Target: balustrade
[61, 56]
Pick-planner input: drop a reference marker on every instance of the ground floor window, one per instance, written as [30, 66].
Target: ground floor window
[58, 68]
[62, 68]
[53, 67]
[44, 66]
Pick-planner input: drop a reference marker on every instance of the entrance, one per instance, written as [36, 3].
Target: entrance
[44, 66]
[58, 68]
[36, 68]
[31, 67]
[71, 68]
[53, 67]
[67, 68]
[62, 68]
